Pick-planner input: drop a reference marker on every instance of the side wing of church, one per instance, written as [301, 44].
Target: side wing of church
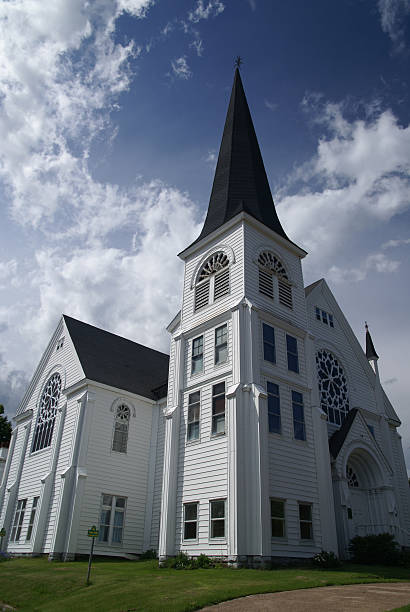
[273, 439]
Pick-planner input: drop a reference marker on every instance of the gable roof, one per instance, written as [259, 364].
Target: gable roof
[312, 286]
[240, 182]
[118, 362]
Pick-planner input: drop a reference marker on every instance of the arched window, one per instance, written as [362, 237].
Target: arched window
[332, 387]
[213, 279]
[270, 266]
[121, 424]
[47, 413]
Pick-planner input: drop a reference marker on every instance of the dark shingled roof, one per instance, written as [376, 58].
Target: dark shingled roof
[370, 350]
[118, 362]
[337, 439]
[240, 183]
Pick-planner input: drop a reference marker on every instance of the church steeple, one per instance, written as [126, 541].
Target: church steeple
[240, 182]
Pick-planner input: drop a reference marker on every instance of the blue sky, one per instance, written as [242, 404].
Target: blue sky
[111, 114]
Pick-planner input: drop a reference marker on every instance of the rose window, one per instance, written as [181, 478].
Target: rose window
[332, 387]
[47, 413]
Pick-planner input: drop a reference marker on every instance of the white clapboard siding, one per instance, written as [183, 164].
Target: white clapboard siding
[159, 468]
[401, 486]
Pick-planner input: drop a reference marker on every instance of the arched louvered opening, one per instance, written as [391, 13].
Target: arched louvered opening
[121, 424]
[269, 267]
[47, 413]
[213, 280]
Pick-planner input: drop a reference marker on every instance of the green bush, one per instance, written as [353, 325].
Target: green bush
[326, 560]
[148, 554]
[182, 561]
[203, 562]
[375, 549]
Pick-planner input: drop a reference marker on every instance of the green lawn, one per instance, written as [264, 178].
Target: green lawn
[124, 586]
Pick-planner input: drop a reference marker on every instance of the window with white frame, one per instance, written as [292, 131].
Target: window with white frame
[217, 517]
[213, 280]
[277, 512]
[32, 518]
[269, 353]
[191, 521]
[270, 266]
[273, 407]
[121, 425]
[197, 359]
[305, 521]
[18, 520]
[324, 317]
[292, 353]
[47, 413]
[221, 344]
[299, 429]
[193, 416]
[112, 519]
[218, 409]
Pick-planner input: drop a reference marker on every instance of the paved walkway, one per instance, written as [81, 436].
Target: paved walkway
[364, 597]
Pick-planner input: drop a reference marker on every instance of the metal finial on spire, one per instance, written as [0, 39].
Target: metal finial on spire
[238, 62]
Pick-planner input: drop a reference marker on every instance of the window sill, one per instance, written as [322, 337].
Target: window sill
[279, 539]
[40, 450]
[307, 542]
[275, 434]
[193, 442]
[217, 540]
[217, 435]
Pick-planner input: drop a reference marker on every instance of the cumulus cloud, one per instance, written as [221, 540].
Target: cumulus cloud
[360, 174]
[203, 11]
[393, 15]
[377, 262]
[270, 105]
[180, 68]
[8, 270]
[391, 244]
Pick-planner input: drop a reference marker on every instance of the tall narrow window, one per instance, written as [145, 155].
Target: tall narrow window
[112, 519]
[193, 416]
[47, 413]
[273, 407]
[32, 518]
[277, 511]
[197, 362]
[217, 508]
[298, 416]
[213, 278]
[18, 520]
[292, 350]
[305, 521]
[121, 425]
[218, 409]
[221, 344]
[269, 343]
[190, 521]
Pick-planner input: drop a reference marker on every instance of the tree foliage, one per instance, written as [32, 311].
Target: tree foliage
[5, 428]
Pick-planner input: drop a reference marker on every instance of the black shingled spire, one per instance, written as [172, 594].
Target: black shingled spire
[370, 350]
[240, 183]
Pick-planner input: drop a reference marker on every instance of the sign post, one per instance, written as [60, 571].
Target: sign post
[2, 534]
[92, 533]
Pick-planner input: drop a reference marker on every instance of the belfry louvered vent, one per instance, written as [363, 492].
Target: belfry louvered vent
[266, 283]
[202, 294]
[221, 284]
[285, 293]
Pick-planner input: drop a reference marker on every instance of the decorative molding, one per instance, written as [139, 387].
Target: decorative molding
[123, 400]
[225, 248]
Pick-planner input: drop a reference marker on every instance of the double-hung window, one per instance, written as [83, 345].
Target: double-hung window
[191, 521]
[269, 343]
[32, 518]
[112, 519]
[18, 520]
[273, 407]
[299, 429]
[277, 512]
[218, 409]
[197, 355]
[193, 416]
[217, 513]
[292, 351]
[305, 521]
[221, 344]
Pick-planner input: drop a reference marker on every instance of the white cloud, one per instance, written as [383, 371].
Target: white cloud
[252, 4]
[180, 68]
[377, 262]
[393, 14]
[272, 106]
[198, 45]
[8, 270]
[391, 244]
[203, 11]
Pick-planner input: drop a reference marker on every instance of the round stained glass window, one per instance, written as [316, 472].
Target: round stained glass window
[332, 387]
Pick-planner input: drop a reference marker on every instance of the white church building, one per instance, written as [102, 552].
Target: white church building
[264, 434]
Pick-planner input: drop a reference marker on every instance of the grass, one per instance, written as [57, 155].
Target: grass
[125, 586]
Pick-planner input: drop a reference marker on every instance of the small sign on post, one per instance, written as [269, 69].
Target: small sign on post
[92, 533]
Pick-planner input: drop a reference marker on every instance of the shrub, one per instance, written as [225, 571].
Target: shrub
[203, 562]
[326, 560]
[148, 554]
[374, 549]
